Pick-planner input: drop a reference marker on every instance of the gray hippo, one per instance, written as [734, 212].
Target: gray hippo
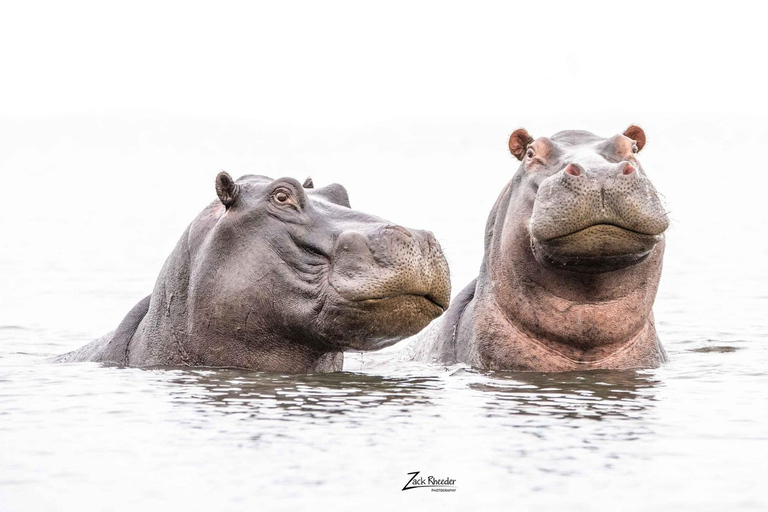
[573, 254]
[280, 277]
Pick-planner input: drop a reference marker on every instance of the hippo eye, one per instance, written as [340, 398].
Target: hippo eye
[281, 196]
[634, 148]
[530, 153]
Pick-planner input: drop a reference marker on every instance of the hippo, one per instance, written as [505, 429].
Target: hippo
[572, 261]
[278, 276]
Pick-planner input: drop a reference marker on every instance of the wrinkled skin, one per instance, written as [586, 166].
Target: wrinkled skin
[573, 256]
[276, 277]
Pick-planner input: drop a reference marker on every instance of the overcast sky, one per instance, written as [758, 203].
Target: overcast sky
[331, 63]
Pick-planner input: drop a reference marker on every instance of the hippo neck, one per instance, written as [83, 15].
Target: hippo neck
[501, 343]
[582, 310]
[262, 353]
[234, 333]
[177, 331]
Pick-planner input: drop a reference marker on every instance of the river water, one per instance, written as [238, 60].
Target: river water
[91, 208]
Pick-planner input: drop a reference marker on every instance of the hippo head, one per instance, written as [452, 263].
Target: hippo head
[295, 263]
[593, 209]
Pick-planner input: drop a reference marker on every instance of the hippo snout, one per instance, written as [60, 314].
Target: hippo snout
[387, 262]
[596, 219]
[580, 197]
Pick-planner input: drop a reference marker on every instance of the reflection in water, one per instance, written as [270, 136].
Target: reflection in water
[597, 395]
[724, 349]
[324, 397]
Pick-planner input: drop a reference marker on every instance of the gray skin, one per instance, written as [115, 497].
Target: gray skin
[277, 277]
[573, 256]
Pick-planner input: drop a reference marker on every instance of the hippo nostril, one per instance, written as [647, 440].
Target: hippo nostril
[401, 230]
[572, 170]
[628, 169]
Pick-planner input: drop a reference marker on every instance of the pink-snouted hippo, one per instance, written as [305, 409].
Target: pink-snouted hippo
[573, 255]
[275, 276]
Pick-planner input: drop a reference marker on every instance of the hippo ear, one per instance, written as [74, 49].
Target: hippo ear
[333, 193]
[308, 183]
[519, 142]
[226, 189]
[636, 134]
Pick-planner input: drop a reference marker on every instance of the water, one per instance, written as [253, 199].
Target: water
[93, 207]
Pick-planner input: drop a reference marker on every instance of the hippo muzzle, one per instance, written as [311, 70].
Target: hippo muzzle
[394, 274]
[596, 218]
[390, 262]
